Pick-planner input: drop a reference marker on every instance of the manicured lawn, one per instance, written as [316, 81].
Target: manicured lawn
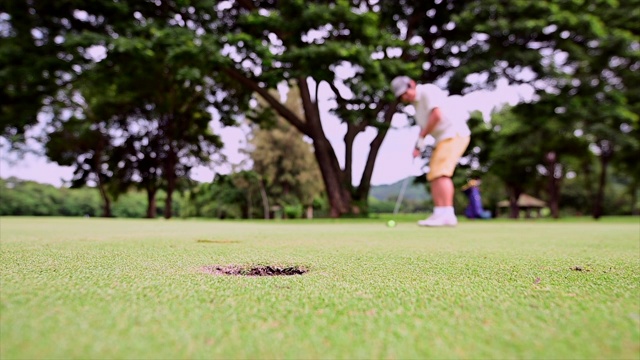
[109, 288]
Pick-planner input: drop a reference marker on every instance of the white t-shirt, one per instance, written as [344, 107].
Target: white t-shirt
[454, 118]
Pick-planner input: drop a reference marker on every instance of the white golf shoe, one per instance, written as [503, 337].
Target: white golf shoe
[439, 220]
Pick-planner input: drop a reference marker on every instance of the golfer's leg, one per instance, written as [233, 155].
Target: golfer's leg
[443, 164]
[442, 191]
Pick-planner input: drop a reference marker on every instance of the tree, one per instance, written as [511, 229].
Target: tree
[85, 145]
[584, 61]
[154, 78]
[251, 184]
[452, 41]
[220, 199]
[558, 143]
[35, 60]
[350, 49]
[154, 71]
[513, 156]
[595, 82]
[270, 44]
[285, 162]
[20, 197]
[628, 164]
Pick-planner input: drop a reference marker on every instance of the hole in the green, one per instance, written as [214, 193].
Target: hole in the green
[266, 270]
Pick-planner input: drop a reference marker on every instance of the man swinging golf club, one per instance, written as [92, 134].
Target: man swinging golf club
[437, 117]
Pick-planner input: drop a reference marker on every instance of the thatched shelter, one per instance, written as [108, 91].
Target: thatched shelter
[526, 203]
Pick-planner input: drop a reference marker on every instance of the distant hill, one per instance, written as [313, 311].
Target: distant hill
[416, 192]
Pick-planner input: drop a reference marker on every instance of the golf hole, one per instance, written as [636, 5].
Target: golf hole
[267, 270]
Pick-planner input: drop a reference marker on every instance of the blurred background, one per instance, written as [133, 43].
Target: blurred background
[282, 109]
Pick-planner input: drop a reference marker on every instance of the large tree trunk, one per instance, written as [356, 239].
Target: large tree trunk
[342, 198]
[265, 200]
[339, 197]
[168, 204]
[606, 153]
[361, 195]
[97, 166]
[249, 207]
[634, 198]
[106, 202]
[151, 203]
[332, 175]
[599, 200]
[170, 174]
[339, 183]
[514, 193]
[553, 186]
[587, 175]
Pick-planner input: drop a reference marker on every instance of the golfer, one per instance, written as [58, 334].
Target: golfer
[438, 117]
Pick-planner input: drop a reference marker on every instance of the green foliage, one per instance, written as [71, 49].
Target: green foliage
[162, 101]
[34, 60]
[285, 162]
[219, 199]
[416, 197]
[414, 191]
[168, 63]
[293, 211]
[130, 205]
[28, 198]
[153, 87]
[377, 206]
[20, 197]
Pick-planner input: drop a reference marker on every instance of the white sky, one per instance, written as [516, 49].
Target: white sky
[394, 161]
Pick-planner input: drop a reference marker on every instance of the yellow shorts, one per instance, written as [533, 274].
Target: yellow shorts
[446, 155]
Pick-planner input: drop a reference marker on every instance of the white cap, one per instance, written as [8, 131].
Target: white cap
[400, 85]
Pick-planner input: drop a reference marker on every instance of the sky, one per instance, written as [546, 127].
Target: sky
[394, 161]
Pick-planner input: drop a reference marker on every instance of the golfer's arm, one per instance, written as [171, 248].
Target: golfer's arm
[434, 119]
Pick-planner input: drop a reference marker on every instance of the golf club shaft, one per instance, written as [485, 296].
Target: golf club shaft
[401, 195]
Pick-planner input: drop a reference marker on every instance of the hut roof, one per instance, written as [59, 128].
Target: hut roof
[525, 201]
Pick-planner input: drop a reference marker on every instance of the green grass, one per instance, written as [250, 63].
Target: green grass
[106, 288]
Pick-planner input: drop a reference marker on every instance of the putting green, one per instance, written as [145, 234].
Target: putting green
[109, 288]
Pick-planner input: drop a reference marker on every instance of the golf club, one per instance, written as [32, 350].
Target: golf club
[425, 154]
[401, 195]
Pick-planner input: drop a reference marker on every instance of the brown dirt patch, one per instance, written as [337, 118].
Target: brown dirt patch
[218, 241]
[580, 268]
[253, 270]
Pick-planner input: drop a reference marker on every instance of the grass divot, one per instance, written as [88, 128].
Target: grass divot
[217, 241]
[267, 270]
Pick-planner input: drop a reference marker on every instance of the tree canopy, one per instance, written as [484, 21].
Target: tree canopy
[144, 77]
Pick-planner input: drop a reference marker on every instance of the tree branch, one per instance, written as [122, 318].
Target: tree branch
[247, 4]
[340, 99]
[365, 182]
[310, 107]
[273, 102]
